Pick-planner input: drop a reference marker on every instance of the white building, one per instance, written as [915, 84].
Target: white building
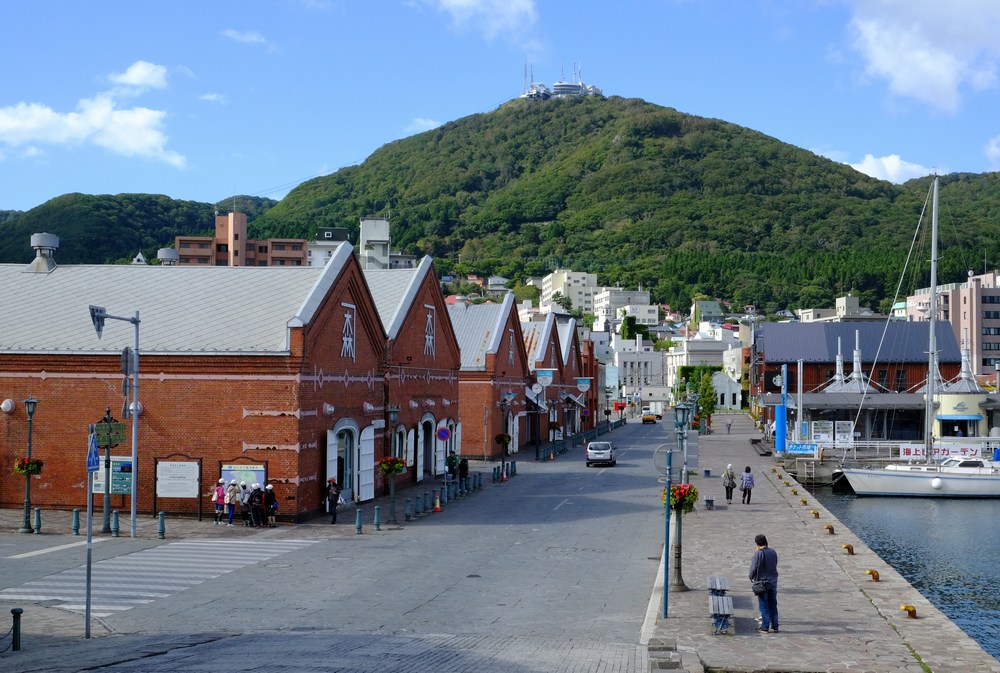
[706, 347]
[374, 246]
[320, 251]
[609, 302]
[578, 286]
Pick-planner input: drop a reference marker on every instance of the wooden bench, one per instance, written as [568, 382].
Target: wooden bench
[759, 446]
[720, 606]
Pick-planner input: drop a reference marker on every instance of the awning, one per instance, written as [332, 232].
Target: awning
[960, 418]
[538, 400]
[579, 399]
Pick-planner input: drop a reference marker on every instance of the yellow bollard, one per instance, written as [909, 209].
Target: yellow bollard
[873, 573]
[815, 513]
[803, 501]
[849, 548]
[829, 529]
[911, 611]
[795, 491]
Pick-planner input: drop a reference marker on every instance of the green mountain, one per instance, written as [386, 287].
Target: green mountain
[634, 192]
[639, 193]
[109, 229]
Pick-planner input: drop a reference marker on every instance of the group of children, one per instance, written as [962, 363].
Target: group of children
[258, 507]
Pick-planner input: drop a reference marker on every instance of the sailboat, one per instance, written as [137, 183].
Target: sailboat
[953, 477]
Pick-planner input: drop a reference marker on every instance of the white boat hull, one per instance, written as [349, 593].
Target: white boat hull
[924, 482]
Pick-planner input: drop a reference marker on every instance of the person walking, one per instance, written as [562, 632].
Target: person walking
[729, 483]
[764, 569]
[332, 498]
[746, 485]
[729, 426]
[233, 496]
[271, 506]
[219, 499]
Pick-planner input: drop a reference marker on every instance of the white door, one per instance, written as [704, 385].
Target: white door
[366, 465]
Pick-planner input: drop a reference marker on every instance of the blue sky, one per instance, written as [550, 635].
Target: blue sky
[201, 100]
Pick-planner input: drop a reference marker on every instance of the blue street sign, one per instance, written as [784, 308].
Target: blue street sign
[93, 457]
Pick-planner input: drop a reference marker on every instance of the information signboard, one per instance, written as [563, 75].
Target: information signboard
[801, 449]
[121, 476]
[176, 479]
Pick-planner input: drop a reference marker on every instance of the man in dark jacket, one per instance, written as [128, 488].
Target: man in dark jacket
[764, 568]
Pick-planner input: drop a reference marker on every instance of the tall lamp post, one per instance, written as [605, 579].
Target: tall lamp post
[682, 413]
[29, 408]
[393, 410]
[98, 315]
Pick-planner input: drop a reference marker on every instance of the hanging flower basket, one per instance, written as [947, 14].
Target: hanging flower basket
[28, 466]
[554, 426]
[392, 465]
[682, 497]
[503, 439]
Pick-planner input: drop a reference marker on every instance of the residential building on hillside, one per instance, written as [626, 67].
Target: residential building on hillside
[707, 311]
[320, 251]
[609, 302]
[231, 247]
[579, 287]
[846, 309]
[375, 246]
[972, 309]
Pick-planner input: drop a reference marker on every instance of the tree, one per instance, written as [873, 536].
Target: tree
[708, 397]
[663, 345]
[560, 299]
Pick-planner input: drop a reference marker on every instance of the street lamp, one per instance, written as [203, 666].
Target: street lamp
[29, 408]
[393, 410]
[682, 413]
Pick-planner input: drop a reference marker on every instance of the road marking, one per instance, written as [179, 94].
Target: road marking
[560, 504]
[59, 548]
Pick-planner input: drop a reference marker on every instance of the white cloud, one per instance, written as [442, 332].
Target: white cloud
[419, 125]
[142, 75]
[891, 168]
[992, 150]
[493, 18]
[214, 98]
[244, 37]
[929, 50]
[130, 132]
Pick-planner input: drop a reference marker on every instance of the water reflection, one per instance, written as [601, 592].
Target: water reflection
[947, 549]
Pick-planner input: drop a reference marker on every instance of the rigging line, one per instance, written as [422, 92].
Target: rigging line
[899, 285]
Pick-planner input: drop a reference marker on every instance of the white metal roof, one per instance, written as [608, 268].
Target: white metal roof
[183, 310]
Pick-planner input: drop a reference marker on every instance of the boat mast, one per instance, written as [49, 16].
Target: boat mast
[932, 337]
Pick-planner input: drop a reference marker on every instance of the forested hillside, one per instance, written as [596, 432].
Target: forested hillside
[108, 229]
[632, 191]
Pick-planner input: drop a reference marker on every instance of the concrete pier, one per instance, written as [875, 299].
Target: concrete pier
[833, 617]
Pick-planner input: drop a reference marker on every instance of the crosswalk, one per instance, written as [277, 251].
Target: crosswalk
[123, 582]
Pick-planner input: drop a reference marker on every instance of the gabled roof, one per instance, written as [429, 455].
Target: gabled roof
[479, 329]
[536, 338]
[817, 342]
[182, 310]
[567, 330]
[394, 291]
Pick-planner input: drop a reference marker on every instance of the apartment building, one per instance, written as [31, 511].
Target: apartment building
[231, 247]
[580, 287]
[973, 310]
[609, 302]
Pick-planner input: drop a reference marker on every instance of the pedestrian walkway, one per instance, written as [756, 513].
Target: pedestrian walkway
[125, 581]
[833, 616]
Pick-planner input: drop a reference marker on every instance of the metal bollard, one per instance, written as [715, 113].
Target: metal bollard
[76, 522]
[445, 487]
[161, 526]
[378, 519]
[418, 506]
[357, 522]
[408, 510]
[428, 505]
[477, 482]
[513, 467]
[16, 629]
[114, 523]
[38, 520]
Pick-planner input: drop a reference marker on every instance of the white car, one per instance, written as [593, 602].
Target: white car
[601, 452]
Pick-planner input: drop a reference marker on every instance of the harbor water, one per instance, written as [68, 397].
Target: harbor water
[948, 549]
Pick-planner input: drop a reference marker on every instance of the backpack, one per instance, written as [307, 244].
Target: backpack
[255, 498]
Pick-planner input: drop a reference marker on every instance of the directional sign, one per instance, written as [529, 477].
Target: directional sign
[110, 433]
[93, 457]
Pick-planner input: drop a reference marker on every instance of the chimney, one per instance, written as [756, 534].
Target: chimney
[45, 246]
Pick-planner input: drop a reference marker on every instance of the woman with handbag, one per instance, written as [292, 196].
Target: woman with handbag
[332, 498]
[729, 483]
[764, 575]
